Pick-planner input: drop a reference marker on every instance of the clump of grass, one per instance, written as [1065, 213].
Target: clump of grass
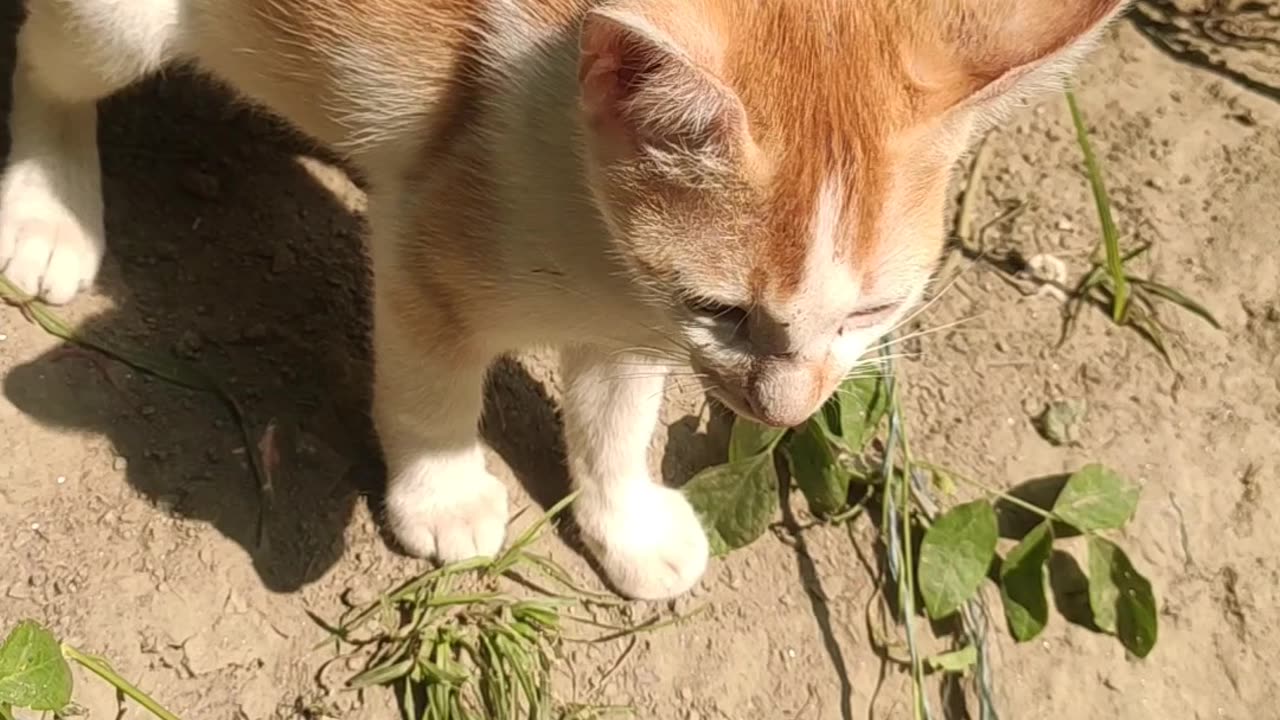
[1128, 299]
[457, 644]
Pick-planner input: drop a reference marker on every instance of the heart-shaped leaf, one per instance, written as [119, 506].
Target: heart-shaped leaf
[1122, 600]
[33, 673]
[751, 438]
[1096, 498]
[1026, 605]
[955, 555]
[736, 502]
[863, 403]
[816, 470]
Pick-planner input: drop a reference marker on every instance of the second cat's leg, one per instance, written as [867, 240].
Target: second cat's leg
[646, 536]
[428, 395]
[71, 53]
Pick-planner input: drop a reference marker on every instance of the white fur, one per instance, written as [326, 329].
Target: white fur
[51, 237]
[70, 54]
[646, 536]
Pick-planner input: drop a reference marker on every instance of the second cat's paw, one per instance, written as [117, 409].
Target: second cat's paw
[450, 519]
[649, 543]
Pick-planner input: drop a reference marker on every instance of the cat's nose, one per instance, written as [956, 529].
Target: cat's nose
[784, 393]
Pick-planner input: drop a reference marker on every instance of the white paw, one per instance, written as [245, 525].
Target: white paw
[647, 538]
[51, 238]
[448, 515]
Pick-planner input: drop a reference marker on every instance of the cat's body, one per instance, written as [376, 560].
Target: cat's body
[752, 187]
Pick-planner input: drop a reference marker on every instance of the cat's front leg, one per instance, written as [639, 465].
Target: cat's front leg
[646, 536]
[428, 393]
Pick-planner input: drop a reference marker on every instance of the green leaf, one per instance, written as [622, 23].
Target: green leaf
[863, 404]
[1122, 600]
[735, 501]
[33, 673]
[955, 555]
[1096, 498]
[1026, 605]
[956, 661]
[818, 474]
[750, 438]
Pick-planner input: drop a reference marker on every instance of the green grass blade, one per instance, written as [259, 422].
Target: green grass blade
[1177, 297]
[382, 674]
[1110, 236]
[100, 667]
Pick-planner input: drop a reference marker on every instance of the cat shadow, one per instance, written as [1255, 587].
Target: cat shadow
[226, 255]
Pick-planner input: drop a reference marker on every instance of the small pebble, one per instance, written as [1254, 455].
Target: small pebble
[119, 463]
[189, 345]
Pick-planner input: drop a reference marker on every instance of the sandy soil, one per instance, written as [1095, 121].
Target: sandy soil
[128, 514]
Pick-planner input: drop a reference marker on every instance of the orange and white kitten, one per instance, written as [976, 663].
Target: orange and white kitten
[754, 188]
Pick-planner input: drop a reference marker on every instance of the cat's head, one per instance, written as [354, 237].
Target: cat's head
[775, 172]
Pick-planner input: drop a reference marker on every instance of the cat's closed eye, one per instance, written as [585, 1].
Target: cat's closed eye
[869, 316]
[714, 310]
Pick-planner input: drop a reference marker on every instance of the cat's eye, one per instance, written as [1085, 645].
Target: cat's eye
[873, 311]
[868, 316]
[715, 310]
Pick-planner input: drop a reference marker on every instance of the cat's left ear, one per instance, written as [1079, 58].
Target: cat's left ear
[990, 53]
[645, 83]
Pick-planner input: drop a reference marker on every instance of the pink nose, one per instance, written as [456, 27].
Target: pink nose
[782, 394]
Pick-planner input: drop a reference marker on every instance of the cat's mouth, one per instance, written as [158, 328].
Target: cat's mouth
[715, 385]
[735, 403]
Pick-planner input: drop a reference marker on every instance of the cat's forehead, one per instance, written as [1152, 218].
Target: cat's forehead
[832, 68]
[826, 104]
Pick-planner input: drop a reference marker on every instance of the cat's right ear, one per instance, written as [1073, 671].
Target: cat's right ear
[985, 55]
[641, 86]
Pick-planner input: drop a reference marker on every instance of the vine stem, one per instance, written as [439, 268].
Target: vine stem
[103, 669]
[1029, 507]
[907, 587]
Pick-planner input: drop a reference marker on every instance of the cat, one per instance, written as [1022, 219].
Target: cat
[750, 190]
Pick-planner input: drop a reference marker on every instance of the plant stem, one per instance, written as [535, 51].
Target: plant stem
[1012, 500]
[907, 585]
[103, 669]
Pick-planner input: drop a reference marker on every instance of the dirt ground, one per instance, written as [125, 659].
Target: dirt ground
[128, 513]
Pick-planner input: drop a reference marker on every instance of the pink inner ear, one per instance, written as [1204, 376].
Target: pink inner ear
[602, 74]
[636, 89]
